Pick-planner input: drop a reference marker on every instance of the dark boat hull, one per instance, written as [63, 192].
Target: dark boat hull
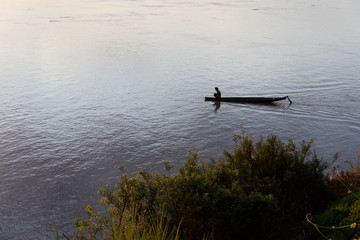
[247, 99]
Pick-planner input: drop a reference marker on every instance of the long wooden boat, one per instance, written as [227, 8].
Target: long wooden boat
[248, 99]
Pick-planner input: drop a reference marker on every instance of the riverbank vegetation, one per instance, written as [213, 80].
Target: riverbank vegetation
[341, 219]
[262, 189]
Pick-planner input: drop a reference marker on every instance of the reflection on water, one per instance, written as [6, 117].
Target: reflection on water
[217, 105]
[88, 84]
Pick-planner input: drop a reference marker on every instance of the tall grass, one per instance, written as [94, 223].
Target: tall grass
[124, 227]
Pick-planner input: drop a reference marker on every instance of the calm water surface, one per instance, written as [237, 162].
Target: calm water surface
[86, 85]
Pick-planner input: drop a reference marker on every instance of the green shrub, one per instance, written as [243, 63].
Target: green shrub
[340, 221]
[123, 226]
[294, 176]
[243, 195]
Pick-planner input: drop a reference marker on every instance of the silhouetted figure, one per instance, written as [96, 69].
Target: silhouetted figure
[217, 95]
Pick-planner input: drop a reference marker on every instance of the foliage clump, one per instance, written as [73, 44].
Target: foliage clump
[293, 175]
[243, 195]
[340, 221]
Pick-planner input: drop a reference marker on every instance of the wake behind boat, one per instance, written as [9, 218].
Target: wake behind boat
[247, 99]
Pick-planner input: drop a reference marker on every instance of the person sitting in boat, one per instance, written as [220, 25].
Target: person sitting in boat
[217, 95]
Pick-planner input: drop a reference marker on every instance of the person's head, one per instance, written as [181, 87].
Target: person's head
[216, 88]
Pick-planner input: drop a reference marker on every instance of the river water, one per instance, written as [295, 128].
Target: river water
[87, 85]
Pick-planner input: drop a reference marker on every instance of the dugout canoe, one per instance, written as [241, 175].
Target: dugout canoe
[248, 99]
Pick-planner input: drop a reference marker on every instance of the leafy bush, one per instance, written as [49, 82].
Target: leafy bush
[294, 176]
[243, 195]
[340, 221]
[124, 226]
